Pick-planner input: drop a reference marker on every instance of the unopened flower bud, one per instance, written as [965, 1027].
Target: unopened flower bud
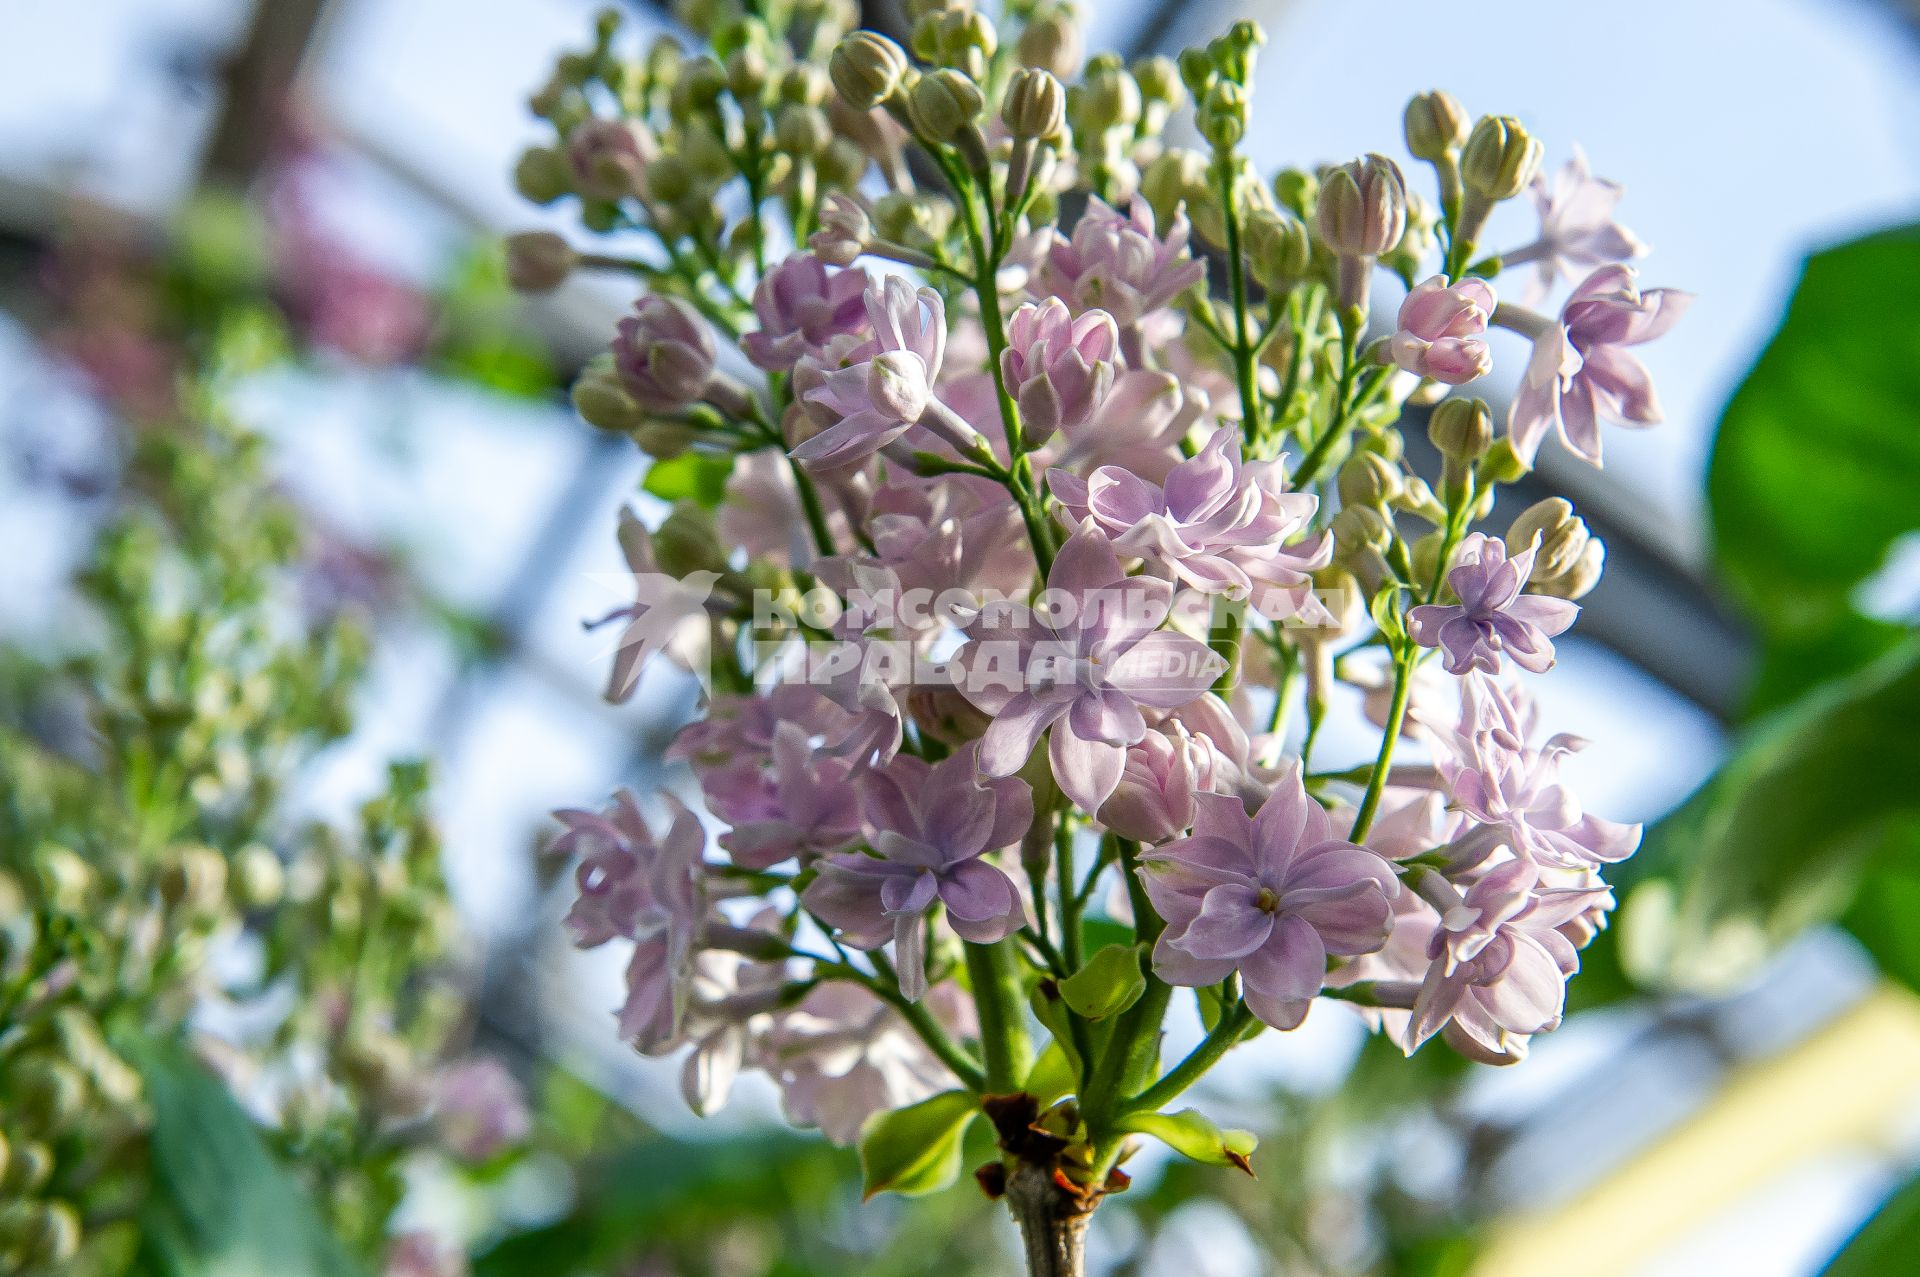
[1369, 479]
[687, 542]
[801, 131]
[664, 353]
[602, 401]
[663, 439]
[1035, 105]
[1339, 592]
[1177, 176]
[1298, 190]
[1436, 125]
[747, 74]
[1279, 249]
[28, 1169]
[805, 85]
[65, 878]
[539, 261]
[1159, 80]
[962, 38]
[1502, 465]
[1223, 114]
[1500, 158]
[1580, 577]
[47, 1093]
[1361, 536]
[844, 233]
[258, 879]
[541, 175]
[1051, 43]
[1107, 99]
[1362, 209]
[193, 879]
[41, 1236]
[944, 102]
[608, 157]
[1562, 534]
[697, 89]
[867, 68]
[1461, 429]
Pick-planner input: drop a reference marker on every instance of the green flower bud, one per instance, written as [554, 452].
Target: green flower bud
[29, 1169]
[1369, 479]
[1339, 591]
[664, 439]
[1197, 72]
[1177, 176]
[687, 542]
[961, 38]
[1461, 429]
[601, 400]
[747, 74]
[942, 103]
[1358, 527]
[1297, 190]
[805, 85]
[867, 69]
[801, 131]
[66, 880]
[541, 175]
[1500, 158]
[1436, 125]
[193, 879]
[40, 1236]
[258, 879]
[1159, 80]
[1279, 250]
[1501, 465]
[1107, 99]
[1223, 115]
[1426, 557]
[1035, 105]
[1051, 43]
[1362, 209]
[539, 261]
[697, 90]
[50, 1093]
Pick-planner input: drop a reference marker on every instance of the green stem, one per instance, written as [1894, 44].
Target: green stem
[1003, 1029]
[962, 1065]
[1403, 663]
[1226, 1035]
[1246, 370]
[1067, 882]
[1323, 447]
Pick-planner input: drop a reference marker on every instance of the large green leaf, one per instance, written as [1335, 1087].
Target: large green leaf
[1886, 1244]
[222, 1204]
[1816, 466]
[1814, 798]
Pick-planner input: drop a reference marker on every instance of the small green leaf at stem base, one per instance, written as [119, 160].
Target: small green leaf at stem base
[1193, 1134]
[916, 1150]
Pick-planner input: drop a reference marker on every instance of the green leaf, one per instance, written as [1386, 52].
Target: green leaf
[222, 1204]
[916, 1150]
[1886, 1243]
[1193, 1134]
[1814, 798]
[1817, 461]
[1385, 610]
[700, 477]
[1109, 983]
[1053, 1074]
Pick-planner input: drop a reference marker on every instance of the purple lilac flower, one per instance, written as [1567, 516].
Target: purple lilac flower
[1580, 373]
[1116, 263]
[842, 1055]
[929, 826]
[668, 614]
[734, 998]
[1269, 896]
[651, 893]
[1492, 616]
[479, 1109]
[1085, 670]
[1577, 229]
[801, 304]
[886, 385]
[1499, 960]
[1165, 770]
[609, 157]
[1513, 791]
[1137, 427]
[801, 806]
[1442, 331]
[1215, 525]
[664, 353]
[1057, 366]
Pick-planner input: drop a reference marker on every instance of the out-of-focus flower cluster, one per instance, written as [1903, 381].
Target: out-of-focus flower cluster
[1026, 561]
[156, 886]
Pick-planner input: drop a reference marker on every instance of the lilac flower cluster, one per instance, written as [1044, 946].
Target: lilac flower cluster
[1149, 522]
